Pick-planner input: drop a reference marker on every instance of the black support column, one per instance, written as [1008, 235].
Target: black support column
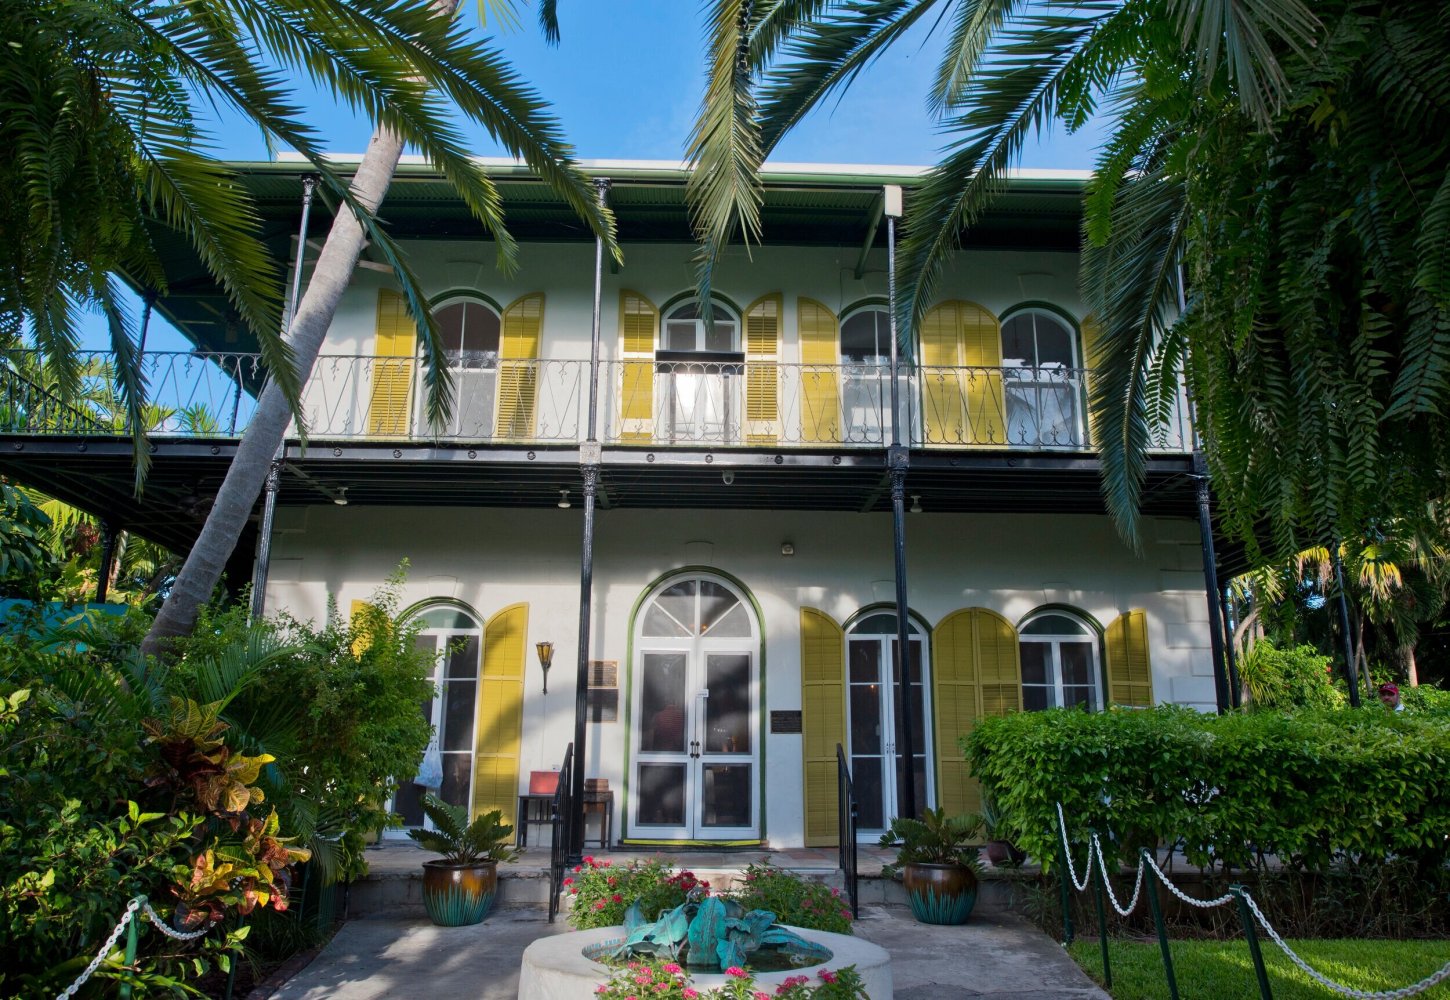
[1210, 586]
[108, 561]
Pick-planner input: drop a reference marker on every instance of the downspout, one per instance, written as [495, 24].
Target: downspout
[898, 460]
[589, 460]
[274, 473]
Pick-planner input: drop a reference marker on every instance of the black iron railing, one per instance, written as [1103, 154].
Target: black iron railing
[559, 831]
[846, 828]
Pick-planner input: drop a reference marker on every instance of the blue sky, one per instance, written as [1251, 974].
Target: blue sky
[625, 82]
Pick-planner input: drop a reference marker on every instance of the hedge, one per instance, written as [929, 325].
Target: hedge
[1309, 788]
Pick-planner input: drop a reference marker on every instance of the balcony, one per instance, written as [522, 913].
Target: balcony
[654, 404]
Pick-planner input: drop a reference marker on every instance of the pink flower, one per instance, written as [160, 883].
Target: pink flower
[568, 881]
[735, 971]
[599, 905]
[827, 976]
[589, 859]
[577, 869]
[644, 978]
[612, 880]
[758, 995]
[691, 993]
[603, 988]
[605, 864]
[836, 893]
[617, 898]
[672, 968]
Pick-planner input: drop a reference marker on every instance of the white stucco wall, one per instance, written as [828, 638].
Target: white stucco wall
[490, 558]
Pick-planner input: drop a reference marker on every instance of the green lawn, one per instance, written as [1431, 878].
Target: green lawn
[1208, 970]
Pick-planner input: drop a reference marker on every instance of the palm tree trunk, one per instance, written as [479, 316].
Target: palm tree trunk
[268, 428]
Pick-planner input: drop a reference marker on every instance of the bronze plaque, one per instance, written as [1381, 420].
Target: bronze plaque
[785, 722]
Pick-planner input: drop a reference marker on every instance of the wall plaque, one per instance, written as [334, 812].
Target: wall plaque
[604, 673]
[785, 722]
[603, 705]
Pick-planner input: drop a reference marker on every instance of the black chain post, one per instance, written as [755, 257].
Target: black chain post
[1151, 885]
[1251, 935]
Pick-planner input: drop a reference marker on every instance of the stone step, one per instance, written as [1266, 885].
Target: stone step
[400, 893]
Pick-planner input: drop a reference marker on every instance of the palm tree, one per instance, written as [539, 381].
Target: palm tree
[110, 135]
[1249, 147]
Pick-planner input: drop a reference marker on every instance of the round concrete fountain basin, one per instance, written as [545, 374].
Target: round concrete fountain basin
[557, 967]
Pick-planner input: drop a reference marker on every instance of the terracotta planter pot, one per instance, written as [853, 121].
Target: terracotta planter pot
[940, 894]
[1004, 853]
[459, 895]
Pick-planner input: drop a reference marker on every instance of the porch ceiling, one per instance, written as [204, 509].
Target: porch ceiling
[96, 474]
[799, 210]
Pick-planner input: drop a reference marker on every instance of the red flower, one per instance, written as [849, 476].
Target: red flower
[617, 898]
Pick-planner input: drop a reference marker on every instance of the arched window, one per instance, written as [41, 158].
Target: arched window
[685, 329]
[469, 329]
[1042, 380]
[1060, 665]
[455, 641]
[865, 377]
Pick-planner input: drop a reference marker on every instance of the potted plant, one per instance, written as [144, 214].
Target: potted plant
[999, 848]
[938, 863]
[459, 888]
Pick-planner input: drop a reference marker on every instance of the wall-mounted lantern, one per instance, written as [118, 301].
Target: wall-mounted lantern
[546, 659]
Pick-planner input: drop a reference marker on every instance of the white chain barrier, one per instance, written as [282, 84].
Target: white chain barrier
[1095, 847]
[139, 903]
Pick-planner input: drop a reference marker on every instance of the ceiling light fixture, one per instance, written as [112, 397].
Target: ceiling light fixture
[341, 498]
[916, 503]
[564, 503]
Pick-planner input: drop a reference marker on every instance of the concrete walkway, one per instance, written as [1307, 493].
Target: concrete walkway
[998, 956]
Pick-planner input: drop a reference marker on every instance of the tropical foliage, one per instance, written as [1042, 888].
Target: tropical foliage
[796, 900]
[1280, 680]
[1291, 159]
[934, 838]
[461, 842]
[600, 892]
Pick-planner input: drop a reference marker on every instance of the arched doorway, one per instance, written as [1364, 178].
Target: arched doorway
[875, 699]
[694, 736]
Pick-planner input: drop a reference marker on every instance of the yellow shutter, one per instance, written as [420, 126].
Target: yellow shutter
[638, 321]
[395, 349]
[944, 402]
[518, 366]
[501, 713]
[976, 672]
[762, 385]
[823, 721]
[1090, 331]
[982, 354]
[820, 389]
[364, 637]
[1130, 674]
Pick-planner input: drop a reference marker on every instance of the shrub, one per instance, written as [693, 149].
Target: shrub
[1289, 678]
[798, 901]
[1309, 787]
[601, 892]
[1425, 698]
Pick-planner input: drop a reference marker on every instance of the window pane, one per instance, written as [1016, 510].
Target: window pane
[1035, 699]
[1017, 342]
[1077, 663]
[735, 624]
[1054, 625]
[456, 773]
[882, 623]
[450, 327]
[720, 336]
[919, 780]
[662, 703]
[446, 618]
[863, 337]
[459, 699]
[661, 794]
[727, 794]
[865, 660]
[866, 783]
[673, 612]
[715, 602]
[727, 709]
[408, 803]
[913, 659]
[1054, 343]
[1036, 663]
[865, 719]
[1074, 696]
[462, 656]
[480, 331]
[680, 336]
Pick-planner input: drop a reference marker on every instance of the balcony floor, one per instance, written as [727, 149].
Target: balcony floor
[97, 475]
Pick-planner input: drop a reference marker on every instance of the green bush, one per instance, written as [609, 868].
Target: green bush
[600, 892]
[798, 901]
[1425, 698]
[1287, 679]
[1309, 787]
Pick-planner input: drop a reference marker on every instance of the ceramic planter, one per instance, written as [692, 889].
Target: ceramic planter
[458, 895]
[1004, 853]
[940, 894]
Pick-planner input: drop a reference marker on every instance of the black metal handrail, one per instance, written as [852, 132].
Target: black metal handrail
[846, 828]
[559, 831]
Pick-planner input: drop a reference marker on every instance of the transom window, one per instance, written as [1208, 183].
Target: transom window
[685, 329]
[866, 337]
[1059, 662]
[1037, 339]
[470, 332]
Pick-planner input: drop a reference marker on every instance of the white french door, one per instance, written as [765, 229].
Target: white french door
[876, 698]
[695, 736]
